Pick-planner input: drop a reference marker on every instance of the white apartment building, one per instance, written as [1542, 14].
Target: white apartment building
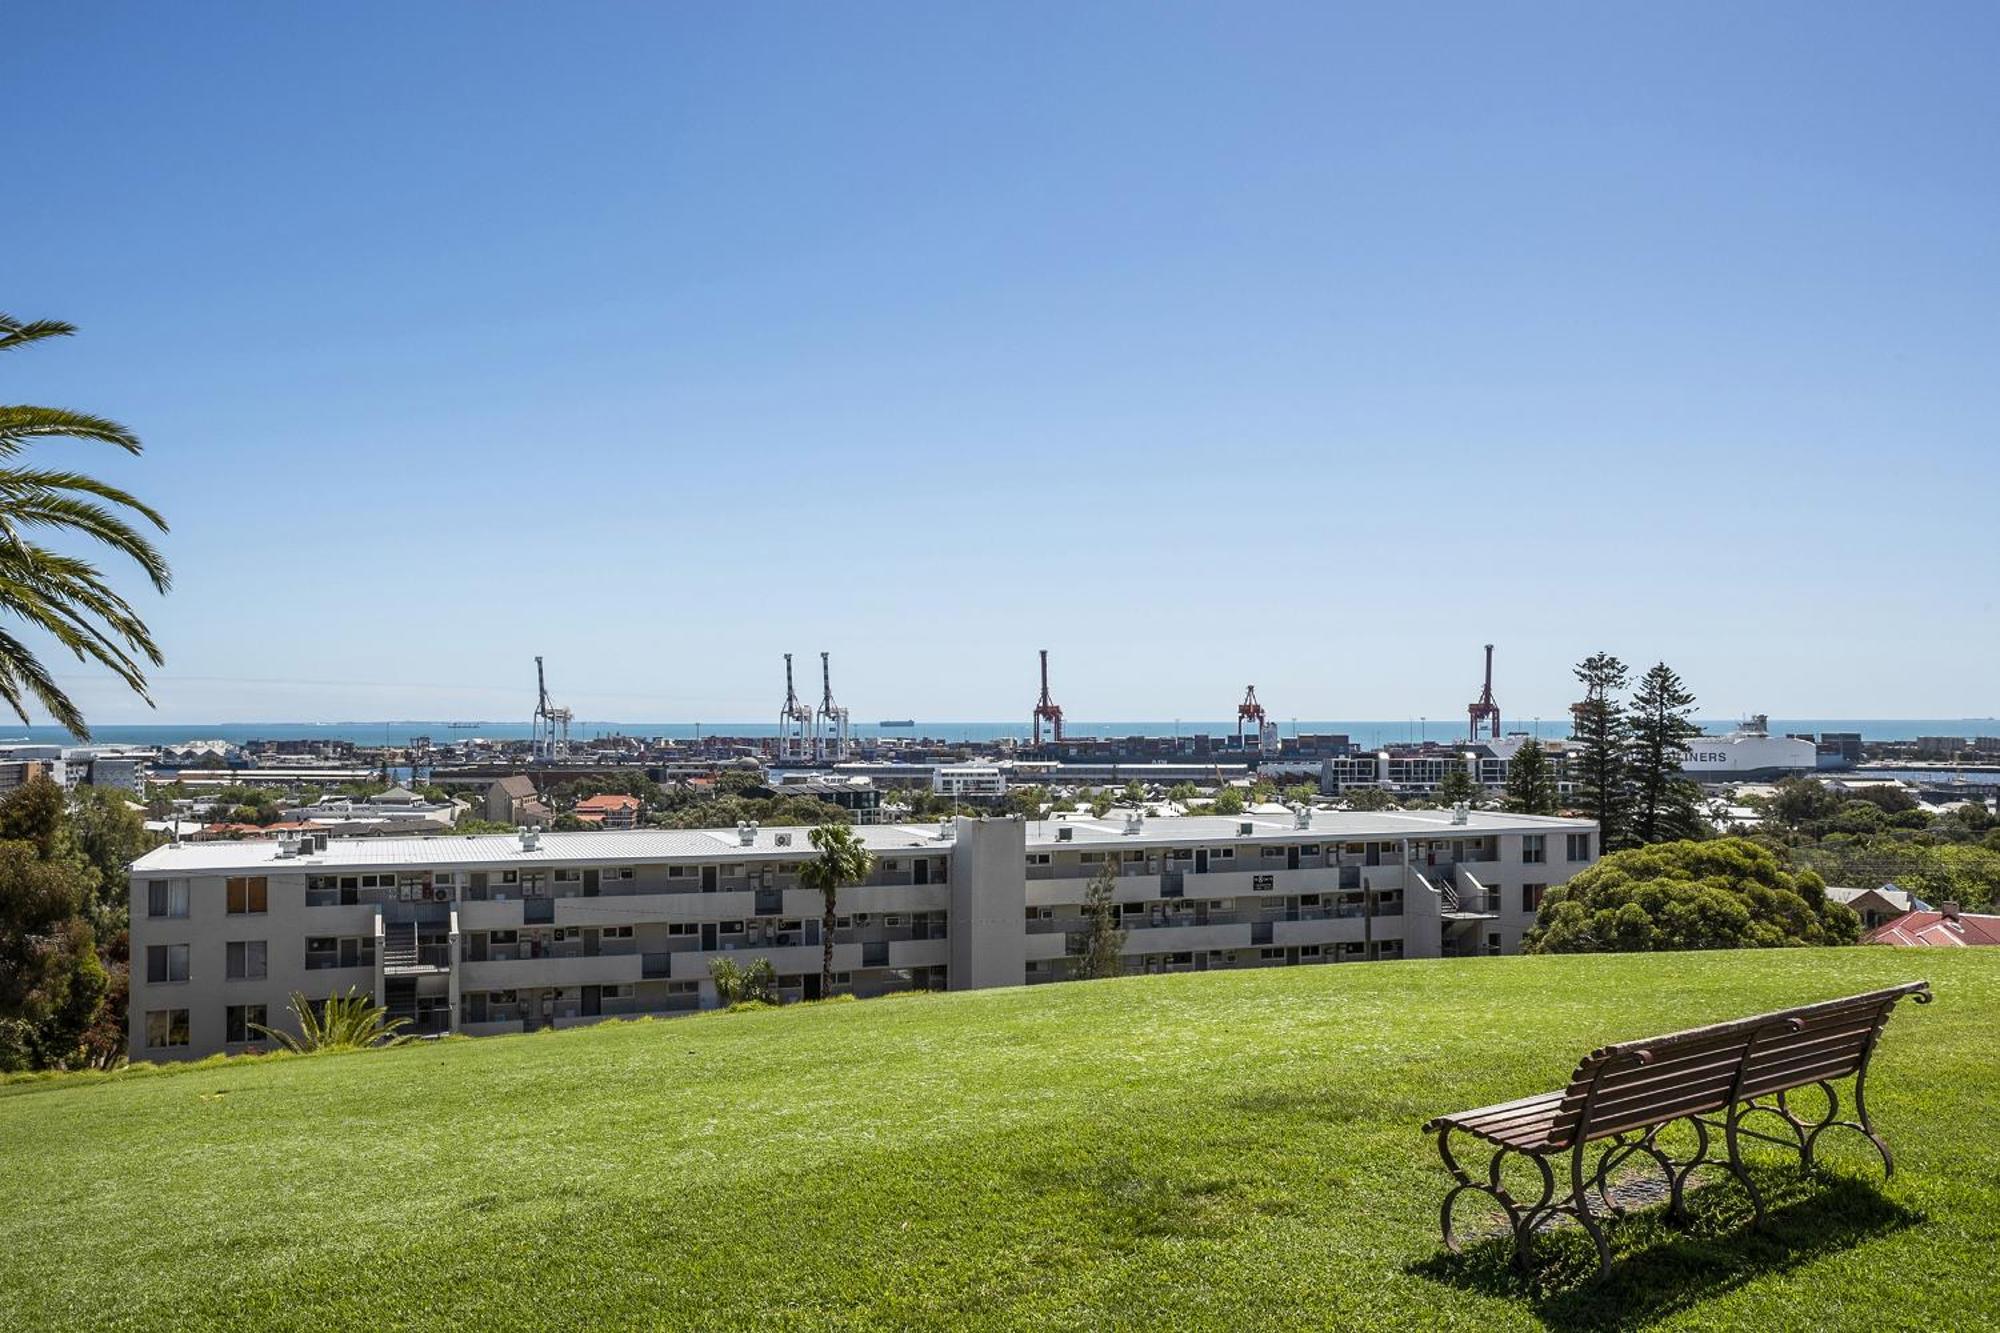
[488, 934]
[968, 781]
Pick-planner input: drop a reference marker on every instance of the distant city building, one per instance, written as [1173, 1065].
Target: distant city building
[969, 782]
[514, 800]
[611, 810]
[1946, 928]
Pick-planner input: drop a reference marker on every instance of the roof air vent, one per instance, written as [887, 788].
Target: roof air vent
[1135, 822]
[1246, 828]
[746, 832]
[1304, 816]
[531, 838]
[1461, 813]
[1064, 833]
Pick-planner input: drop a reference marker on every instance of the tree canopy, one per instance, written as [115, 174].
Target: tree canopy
[1726, 893]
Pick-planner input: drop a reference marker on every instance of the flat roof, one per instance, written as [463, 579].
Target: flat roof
[627, 846]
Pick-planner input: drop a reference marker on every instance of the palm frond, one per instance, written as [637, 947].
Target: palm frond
[17, 332]
[47, 509]
[20, 423]
[46, 479]
[341, 1023]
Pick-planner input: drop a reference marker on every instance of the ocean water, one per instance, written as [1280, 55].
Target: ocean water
[1364, 732]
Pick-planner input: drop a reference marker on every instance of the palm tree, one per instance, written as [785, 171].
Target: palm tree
[62, 595]
[842, 860]
[342, 1023]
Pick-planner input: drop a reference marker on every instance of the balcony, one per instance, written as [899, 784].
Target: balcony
[528, 973]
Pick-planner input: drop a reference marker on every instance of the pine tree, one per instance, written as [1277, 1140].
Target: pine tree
[1531, 789]
[1665, 805]
[1103, 941]
[1456, 786]
[1603, 788]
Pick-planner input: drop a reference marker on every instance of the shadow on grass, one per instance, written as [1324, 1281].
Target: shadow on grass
[1659, 1269]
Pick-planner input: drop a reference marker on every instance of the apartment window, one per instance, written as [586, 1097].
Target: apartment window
[618, 932]
[568, 876]
[683, 988]
[167, 962]
[1309, 951]
[679, 872]
[246, 960]
[531, 883]
[732, 927]
[241, 1021]
[510, 877]
[1038, 858]
[1132, 909]
[247, 895]
[444, 879]
[166, 897]
[682, 928]
[622, 872]
[622, 991]
[166, 1027]
[1133, 858]
[504, 937]
[1534, 849]
[1270, 955]
[1579, 847]
[1531, 897]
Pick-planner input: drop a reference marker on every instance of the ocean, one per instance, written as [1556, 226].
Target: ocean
[1365, 732]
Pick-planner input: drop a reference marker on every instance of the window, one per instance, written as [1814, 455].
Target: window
[618, 932]
[247, 894]
[621, 991]
[732, 927]
[1579, 847]
[166, 1027]
[1038, 858]
[682, 928]
[1531, 897]
[679, 872]
[1534, 849]
[622, 872]
[568, 876]
[510, 877]
[1309, 951]
[166, 897]
[683, 988]
[504, 937]
[444, 879]
[167, 962]
[241, 1021]
[246, 960]
[1132, 909]
[1271, 955]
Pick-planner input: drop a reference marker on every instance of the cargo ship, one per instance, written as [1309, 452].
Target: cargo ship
[1749, 754]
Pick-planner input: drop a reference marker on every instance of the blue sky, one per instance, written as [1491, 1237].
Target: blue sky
[1307, 345]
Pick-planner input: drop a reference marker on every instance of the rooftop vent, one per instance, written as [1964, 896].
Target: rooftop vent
[1064, 833]
[946, 830]
[1303, 816]
[531, 838]
[1135, 822]
[288, 844]
[1246, 828]
[746, 832]
[319, 842]
[782, 839]
[1461, 813]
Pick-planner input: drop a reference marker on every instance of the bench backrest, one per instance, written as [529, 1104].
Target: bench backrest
[1638, 1084]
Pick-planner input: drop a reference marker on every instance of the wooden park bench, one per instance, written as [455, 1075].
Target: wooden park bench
[1623, 1097]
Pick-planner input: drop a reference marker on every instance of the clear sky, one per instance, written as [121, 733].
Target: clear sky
[1311, 345]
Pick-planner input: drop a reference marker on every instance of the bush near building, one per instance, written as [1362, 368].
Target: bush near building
[1724, 893]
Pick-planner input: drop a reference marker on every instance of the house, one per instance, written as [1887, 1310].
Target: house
[1946, 928]
[610, 810]
[514, 800]
[1877, 906]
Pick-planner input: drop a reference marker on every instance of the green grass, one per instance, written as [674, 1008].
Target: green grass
[1222, 1150]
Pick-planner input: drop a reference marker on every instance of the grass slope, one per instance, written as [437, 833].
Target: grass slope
[1225, 1150]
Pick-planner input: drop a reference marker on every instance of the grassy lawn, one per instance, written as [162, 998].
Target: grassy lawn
[1228, 1150]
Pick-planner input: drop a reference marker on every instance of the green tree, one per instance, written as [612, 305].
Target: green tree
[1183, 792]
[1263, 791]
[1228, 801]
[842, 861]
[1602, 770]
[1027, 801]
[756, 983]
[1367, 798]
[1100, 803]
[1802, 802]
[1531, 787]
[49, 588]
[1134, 793]
[1727, 893]
[111, 834]
[52, 982]
[1302, 793]
[1102, 942]
[1666, 806]
[1456, 786]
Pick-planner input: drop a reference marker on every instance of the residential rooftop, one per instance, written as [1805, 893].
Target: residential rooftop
[620, 847]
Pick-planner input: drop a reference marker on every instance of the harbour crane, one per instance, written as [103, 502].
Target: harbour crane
[830, 736]
[1249, 711]
[1483, 709]
[1047, 710]
[795, 723]
[551, 721]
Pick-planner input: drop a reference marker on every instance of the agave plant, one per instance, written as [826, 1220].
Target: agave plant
[341, 1023]
[62, 595]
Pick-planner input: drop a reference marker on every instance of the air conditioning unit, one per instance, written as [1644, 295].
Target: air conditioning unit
[1246, 828]
[1064, 833]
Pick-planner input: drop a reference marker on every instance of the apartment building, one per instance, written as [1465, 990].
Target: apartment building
[500, 933]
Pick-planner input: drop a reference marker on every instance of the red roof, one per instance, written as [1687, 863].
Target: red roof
[1936, 930]
[608, 804]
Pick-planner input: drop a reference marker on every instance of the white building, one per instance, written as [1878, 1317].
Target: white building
[502, 933]
[968, 781]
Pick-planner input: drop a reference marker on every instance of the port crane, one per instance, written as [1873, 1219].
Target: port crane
[1483, 709]
[551, 722]
[1249, 711]
[795, 723]
[1047, 710]
[830, 735]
